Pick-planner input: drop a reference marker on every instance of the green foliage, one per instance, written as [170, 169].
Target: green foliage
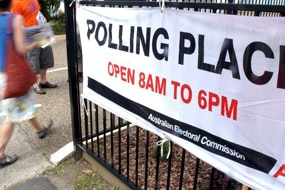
[49, 8]
[156, 150]
[57, 170]
[88, 180]
[59, 26]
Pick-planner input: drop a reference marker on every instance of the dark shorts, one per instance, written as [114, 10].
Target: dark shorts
[79, 49]
[41, 58]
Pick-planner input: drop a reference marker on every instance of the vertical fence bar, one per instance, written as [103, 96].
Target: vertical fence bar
[86, 125]
[146, 159]
[97, 130]
[182, 169]
[196, 173]
[157, 165]
[91, 125]
[70, 25]
[119, 148]
[137, 156]
[112, 124]
[128, 153]
[104, 134]
[212, 177]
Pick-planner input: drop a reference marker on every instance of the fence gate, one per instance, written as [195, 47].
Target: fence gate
[128, 151]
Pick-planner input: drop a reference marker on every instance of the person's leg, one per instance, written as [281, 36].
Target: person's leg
[33, 58]
[80, 73]
[6, 132]
[36, 124]
[46, 61]
[41, 130]
[79, 59]
[43, 76]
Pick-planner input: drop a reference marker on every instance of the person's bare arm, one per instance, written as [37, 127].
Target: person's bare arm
[21, 45]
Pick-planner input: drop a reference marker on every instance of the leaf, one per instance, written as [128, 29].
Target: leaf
[87, 171]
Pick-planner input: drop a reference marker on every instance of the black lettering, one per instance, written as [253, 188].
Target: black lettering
[101, 25]
[247, 62]
[201, 64]
[164, 54]
[281, 73]
[110, 43]
[230, 65]
[185, 50]
[132, 34]
[91, 27]
[144, 42]
[121, 45]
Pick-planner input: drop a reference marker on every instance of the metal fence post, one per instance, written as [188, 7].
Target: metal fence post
[70, 25]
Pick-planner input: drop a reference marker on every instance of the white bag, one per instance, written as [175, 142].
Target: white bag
[41, 18]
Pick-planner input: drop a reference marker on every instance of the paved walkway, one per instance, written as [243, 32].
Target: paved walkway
[30, 163]
[34, 154]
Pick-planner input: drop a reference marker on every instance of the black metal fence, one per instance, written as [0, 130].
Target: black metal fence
[140, 158]
[136, 156]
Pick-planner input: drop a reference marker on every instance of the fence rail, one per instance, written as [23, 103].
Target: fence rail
[257, 7]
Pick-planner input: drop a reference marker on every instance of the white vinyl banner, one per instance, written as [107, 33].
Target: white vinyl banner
[212, 83]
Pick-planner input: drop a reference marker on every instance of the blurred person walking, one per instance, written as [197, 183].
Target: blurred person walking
[40, 59]
[22, 108]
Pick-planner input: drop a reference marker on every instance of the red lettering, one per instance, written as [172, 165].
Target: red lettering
[280, 172]
[126, 74]
[231, 110]
[185, 92]
[176, 85]
[214, 100]
[149, 83]
[153, 83]
[202, 101]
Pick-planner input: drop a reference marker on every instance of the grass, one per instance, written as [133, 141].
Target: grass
[88, 180]
[85, 179]
[57, 170]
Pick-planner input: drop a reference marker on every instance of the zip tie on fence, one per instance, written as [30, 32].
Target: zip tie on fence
[84, 106]
[161, 5]
[72, 3]
[160, 143]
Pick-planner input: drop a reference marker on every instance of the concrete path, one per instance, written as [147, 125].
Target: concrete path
[34, 154]
[30, 162]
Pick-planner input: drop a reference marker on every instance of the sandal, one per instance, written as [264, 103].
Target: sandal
[43, 132]
[38, 90]
[7, 160]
